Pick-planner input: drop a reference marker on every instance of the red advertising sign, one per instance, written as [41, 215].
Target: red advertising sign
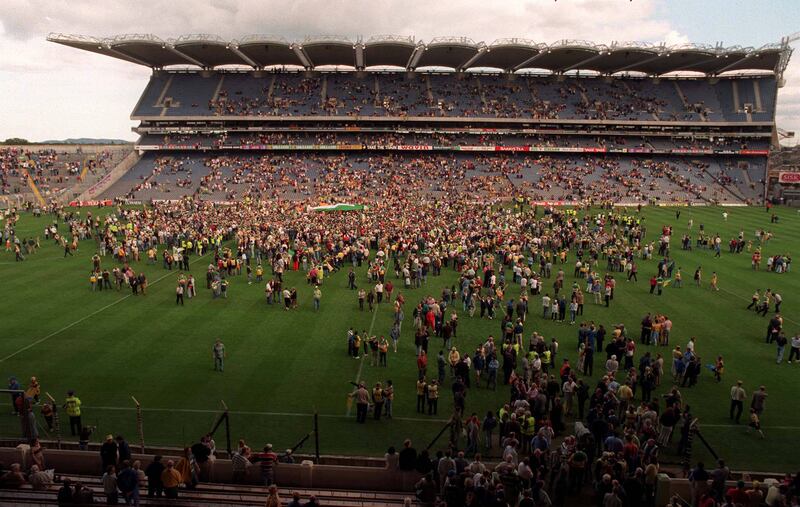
[512, 148]
[789, 177]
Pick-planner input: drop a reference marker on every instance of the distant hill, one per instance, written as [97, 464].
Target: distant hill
[86, 140]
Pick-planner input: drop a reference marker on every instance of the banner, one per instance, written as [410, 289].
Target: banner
[691, 151]
[512, 148]
[475, 148]
[554, 203]
[789, 177]
[414, 147]
[427, 147]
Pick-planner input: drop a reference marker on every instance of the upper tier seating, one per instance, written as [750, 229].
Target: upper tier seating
[449, 95]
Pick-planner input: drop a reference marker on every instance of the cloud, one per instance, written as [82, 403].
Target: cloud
[94, 94]
[788, 109]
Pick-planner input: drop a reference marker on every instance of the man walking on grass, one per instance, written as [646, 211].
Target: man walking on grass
[794, 352]
[317, 297]
[218, 353]
[738, 395]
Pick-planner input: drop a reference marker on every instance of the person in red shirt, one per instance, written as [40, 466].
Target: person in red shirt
[738, 494]
[267, 461]
[706, 500]
[565, 370]
[422, 363]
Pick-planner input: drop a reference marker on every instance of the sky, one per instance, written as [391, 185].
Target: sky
[49, 91]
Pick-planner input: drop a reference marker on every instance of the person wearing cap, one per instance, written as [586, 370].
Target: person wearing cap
[738, 396]
[108, 452]
[72, 404]
[267, 461]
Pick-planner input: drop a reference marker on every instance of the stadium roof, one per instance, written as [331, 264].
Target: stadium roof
[458, 53]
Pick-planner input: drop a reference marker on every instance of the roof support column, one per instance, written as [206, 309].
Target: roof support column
[298, 50]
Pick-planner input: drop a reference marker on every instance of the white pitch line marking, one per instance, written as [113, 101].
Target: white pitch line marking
[361, 364]
[68, 326]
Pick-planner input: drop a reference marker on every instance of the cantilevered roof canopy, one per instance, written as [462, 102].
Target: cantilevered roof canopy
[269, 50]
[564, 56]
[210, 50]
[329, 51]
[148, 49]
[459, 53]
[389, 50]
[506, 54]
[453, 52]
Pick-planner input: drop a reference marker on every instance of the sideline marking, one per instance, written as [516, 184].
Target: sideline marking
[787, 319]
[123, 298]
[361, 363]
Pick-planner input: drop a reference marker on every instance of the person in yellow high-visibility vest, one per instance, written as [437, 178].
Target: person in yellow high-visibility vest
[528, 428]
[73, 407]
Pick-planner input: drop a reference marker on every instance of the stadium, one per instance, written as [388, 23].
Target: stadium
[478, 218]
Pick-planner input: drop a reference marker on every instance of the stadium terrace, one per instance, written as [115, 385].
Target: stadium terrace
[626, 122]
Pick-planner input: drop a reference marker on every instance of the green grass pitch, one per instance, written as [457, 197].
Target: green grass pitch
[282, 366]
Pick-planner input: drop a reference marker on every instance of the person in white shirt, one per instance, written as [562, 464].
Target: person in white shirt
[612, 365]
[795, 350]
